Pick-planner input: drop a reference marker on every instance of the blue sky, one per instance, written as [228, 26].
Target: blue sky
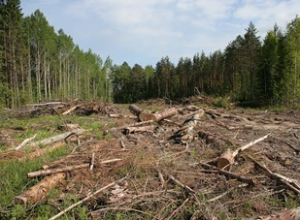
[144, 31]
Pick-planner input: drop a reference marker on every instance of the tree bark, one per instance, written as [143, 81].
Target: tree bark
[39, 191]
[57, 138]
[228, 157]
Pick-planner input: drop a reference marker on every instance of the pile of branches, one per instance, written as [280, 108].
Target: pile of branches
[76, 107]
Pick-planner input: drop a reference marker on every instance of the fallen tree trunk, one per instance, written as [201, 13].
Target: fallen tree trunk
[165, 114]
[39, 191]
[135, 110]
[57, 138]
[228, 157]
[147, 116]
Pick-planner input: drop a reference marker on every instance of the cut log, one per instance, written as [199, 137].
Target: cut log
[225, 159]
[135, 110]
[147, 116]
[228, 157]
[165, 114]
[57, 138]
[39, 191]
[71, 110]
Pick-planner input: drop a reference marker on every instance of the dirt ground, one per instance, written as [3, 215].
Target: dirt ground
[168, 170]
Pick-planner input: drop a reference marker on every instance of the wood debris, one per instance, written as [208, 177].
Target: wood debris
[217, 176]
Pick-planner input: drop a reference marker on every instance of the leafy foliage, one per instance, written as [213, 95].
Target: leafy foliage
[38, 64]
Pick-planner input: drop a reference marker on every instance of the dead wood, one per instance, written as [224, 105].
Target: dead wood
[57, 138]
[69, 168]
[186, 133]
[40, 152]
[182, 185]
[228, 157]
[85, 199]
[229, 174]
[215, 140]
[162, 179]
[96, 214]
[122, 116]
[177, 210]
[68, 127]
[149, 128]
[135, 110]
[92, 162]
[132, 125]
[25, 142]
[226, 192]
[71, 110]
[147, 116]
[165, 114]
[39, 191]
[292, 184]
[291, 214]
[58, 170]
[45, 104]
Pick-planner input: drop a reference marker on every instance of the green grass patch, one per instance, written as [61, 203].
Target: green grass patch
[14, 174]
[14, 178]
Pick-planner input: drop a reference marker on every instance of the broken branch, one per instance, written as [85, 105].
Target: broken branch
[228, 157]
[66, 169]
[229, 174]
[85, 199]
[25, 142]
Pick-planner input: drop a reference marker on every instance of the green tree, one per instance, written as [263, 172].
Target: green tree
[269, 78]
[251, 48]
[292, 60]
[163, 72]
[11, 53]
[120, 80]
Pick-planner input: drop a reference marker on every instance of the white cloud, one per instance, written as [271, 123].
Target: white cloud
[142, 31]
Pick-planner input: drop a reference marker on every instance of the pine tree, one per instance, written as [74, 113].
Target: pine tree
[11, 52]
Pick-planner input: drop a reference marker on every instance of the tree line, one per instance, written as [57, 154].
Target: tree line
[39, 64]
[250, 72]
